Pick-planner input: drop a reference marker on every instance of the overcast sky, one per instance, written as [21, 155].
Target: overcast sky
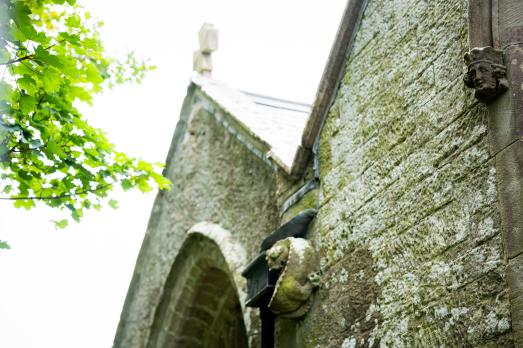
[66, 288]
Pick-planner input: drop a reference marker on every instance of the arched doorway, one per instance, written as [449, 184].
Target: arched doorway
[200, 305]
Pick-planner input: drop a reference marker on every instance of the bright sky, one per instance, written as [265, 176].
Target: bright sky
[66, 288]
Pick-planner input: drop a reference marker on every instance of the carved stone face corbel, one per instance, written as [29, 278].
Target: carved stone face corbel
[299, 266]
[485, 73]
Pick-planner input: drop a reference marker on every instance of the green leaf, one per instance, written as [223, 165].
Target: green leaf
[28, 31]
[51, 79]
[20, 13]
[73, 21]
[54, 148]
[4, 245]
[79, 93]
[17, 34]
[71, 38]
[162, 182]
[93, 74]
[60, 224]
[24, 203]
[76, 215]
[27, 104]
[43, 56]
[28, 84]
[24, 175]
[41, 38]
[142, 165]
[126, 184]
[144, 186]
[113, 204]
[91, 43]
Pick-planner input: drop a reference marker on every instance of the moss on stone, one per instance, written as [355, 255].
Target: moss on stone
[406, 174]
[309, 200]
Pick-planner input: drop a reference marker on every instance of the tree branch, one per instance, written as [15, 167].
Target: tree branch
[29, 56]
[65, 195]
[17, 60]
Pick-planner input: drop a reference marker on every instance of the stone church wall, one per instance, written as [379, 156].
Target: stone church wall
[215, 179]
[408, 226]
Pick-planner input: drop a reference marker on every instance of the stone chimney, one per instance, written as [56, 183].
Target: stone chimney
[208, 39]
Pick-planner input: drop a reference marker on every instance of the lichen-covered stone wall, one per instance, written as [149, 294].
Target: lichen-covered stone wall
[408, 226]
[215, 179]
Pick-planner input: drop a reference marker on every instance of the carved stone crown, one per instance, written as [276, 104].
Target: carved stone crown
[484, 54]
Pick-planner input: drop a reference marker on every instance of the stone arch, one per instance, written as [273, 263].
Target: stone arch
[203, 299]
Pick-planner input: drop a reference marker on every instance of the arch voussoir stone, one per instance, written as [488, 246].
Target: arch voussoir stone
[202, 303]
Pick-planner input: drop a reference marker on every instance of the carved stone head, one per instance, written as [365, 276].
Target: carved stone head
[299, 275]
[485, 73]
[277, 256]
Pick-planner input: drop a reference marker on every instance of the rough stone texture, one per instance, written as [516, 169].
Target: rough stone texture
[200, 306]
[221, 182]
[409, 224]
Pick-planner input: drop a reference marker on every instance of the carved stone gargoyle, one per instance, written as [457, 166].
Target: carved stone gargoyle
[485, 73]
[299, 265]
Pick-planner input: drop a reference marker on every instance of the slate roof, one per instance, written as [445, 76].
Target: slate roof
[277, 122]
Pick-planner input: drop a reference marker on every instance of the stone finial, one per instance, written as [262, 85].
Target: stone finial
[208, 39]
[486, 73]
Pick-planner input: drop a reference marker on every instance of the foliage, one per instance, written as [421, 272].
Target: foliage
[52, 59]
